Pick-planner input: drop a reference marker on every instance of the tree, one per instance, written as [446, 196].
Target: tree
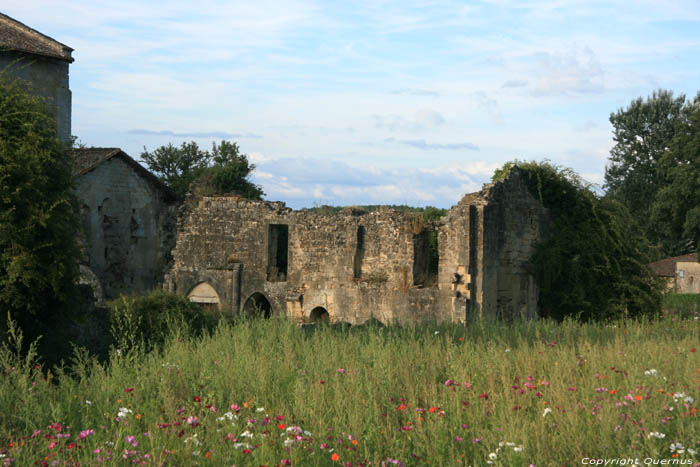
[38, 217]
[224, 170]
[642, 133]
[676, 208]
[592, 262]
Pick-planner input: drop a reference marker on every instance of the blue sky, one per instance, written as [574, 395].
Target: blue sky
[370, 102]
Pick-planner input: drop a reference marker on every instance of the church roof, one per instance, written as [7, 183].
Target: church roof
[16, 36]
[88, 159]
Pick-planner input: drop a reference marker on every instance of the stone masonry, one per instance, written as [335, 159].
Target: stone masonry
[242, 256]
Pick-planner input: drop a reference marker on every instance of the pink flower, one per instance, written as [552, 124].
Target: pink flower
[53, 444]
[85, 433]
[449, 382]
[572, 388]
[459, 439]
[341, 370]
[467, 385]
[192, 421]
[128, 390]
[131, 440]
[235, 408]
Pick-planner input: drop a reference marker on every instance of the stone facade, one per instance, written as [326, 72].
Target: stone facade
[243, 256]
[681, 273]
[129, 221]
[42, 63]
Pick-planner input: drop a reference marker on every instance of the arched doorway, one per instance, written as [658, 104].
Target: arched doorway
[319, 315]
[204, 295]
[257, 305]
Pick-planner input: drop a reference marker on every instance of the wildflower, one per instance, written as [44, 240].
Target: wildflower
[335, 457]
[260, 409]
[128, 390]
[341, 370]
[235, 408]
[131, 440]
[246, 451]
[53, 444]
[197, 399]
[467, 385]
[459, 439]
[484, 396]
[507, 350]
[436, 332]
[85, 433]
[123, 412]
[518, 449]
[546, 411]
[192, 421]
[493, 456]
[656, 434]
[651, 372]
[476, 440]
[677, 447]
[449, 382]
[87, 402]
[281, 426]
[572, 388]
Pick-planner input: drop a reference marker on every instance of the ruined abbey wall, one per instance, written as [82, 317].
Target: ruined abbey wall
[354, 265]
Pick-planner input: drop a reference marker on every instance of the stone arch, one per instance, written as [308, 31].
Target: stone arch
[257, 305]
[205, 295]
[319, 315]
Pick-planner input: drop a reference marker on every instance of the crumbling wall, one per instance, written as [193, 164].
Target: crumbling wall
[129, 226]
[355, 265]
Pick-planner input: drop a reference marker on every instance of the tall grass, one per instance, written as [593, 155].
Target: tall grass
[437, 394]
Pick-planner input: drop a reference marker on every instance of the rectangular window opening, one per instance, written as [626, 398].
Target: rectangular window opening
[359, 253]
[277, 252]
[425, 258]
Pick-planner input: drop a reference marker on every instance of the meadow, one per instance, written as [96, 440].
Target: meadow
[266, 392]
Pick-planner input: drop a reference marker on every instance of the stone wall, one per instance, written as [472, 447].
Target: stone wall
[690, 282]
[47, 78]
[356, 265]
[130, 227]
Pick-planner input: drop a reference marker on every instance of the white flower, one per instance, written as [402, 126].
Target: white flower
[437, 332]
[651, 372]
[677, 447]
[493, 456]
[692, 452]
[246, 434]
[546, 411]
[507, 350]
[288, 442]
[260, 409]
[123, 412]
[518, 449]
[656, 434]
[87, 402]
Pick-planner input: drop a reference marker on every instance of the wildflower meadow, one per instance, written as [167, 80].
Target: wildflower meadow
[267, 392]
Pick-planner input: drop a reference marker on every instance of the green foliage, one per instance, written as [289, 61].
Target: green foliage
[393, 397]
[676, 209]
[642, 133]
[224, 170]
[686, 304]
[145, 322]
[592, 264]
[38, 248]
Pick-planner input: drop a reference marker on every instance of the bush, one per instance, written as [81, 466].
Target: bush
[592, 263]
[147, 321]
[683, 304]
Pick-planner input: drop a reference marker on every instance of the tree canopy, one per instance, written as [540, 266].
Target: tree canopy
[223, 170]
[592, 262]
[643, 133]
[38, 216]
[676, 208]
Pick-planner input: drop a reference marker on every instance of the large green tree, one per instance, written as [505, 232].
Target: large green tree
[643, 132]
[676, 208]
[38, 248]
[223, 170]
[592, 262]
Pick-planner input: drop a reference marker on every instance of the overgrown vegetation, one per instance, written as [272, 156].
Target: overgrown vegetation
[266, 392]
[38, 248]
[592, 263]
[224, 170]
[143, 323]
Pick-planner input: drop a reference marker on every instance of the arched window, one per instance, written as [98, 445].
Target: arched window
[204, 294]
[319, 315]
[257, 305]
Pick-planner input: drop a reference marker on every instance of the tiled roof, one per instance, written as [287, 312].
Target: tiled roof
[88, 159]
[667, 266]
[16, 36]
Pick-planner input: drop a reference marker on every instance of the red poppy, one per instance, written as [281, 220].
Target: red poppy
[281, 426]
[335, 457]
[197, 399]
[128, 390]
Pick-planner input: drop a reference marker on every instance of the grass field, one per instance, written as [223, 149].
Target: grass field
[270, 393]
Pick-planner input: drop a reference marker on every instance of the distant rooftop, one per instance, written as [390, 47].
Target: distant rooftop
[16, 36]
[667, 266]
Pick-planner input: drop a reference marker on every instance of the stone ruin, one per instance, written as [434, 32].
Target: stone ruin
[239, 256]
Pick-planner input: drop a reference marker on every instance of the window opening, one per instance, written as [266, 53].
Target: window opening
[277, 252]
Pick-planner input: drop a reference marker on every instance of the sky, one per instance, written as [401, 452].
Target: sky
[370, 102]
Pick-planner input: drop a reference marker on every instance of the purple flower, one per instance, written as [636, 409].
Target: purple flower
[476, 440]
[85, 433]
[459, 439]
[131, 440]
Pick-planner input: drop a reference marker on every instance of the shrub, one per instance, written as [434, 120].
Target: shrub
[147, 321]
